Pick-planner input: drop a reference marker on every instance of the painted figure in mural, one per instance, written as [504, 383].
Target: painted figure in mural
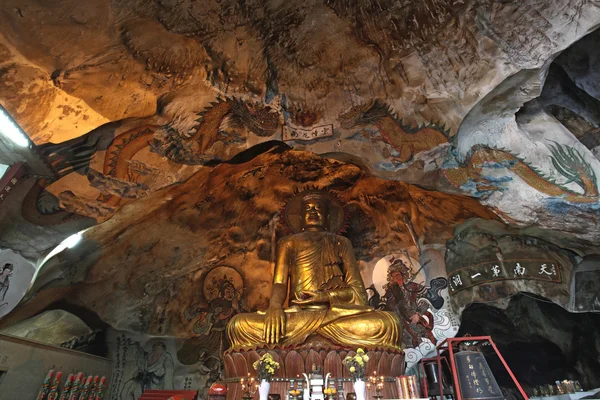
[411, 301]
[374, 298]
[326, 290]
[5, 279]
[155, 370]
[220, 309]
[223, 290]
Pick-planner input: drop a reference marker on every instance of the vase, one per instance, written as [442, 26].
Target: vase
[360, 388]
[263, 389]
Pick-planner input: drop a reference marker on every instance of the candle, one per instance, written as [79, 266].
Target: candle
[46, 385]
[100, 390]
[67, 389]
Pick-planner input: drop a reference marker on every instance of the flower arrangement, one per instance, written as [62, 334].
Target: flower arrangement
[356, 364]
[330, 392]
[265, 367]
[295, 393]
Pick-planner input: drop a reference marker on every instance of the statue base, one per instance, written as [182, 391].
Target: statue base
[300, 360]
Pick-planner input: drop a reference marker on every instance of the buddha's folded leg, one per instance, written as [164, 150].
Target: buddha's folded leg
[369, 329]
[247, 330]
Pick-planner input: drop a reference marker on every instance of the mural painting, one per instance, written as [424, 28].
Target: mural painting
[154, 370]
[587, 296]
[417, 293]
[474, 174]
[585, 285]
[223, 290]
[478, 172]
[403, 141]
[120, 172]
[16, 274]
[145, 362]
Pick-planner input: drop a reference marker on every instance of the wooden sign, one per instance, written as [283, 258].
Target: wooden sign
[295, 133]
[10, 179]
[537, 269]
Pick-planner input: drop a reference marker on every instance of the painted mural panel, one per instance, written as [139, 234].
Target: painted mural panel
[150, 362]
[417, 291]
[194, 362]
[16, 274]
[585, 285]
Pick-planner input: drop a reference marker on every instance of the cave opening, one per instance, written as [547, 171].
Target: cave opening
[540, 341]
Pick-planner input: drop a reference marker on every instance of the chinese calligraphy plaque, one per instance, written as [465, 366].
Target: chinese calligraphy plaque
[302, 134]
[476, 379]
[536, 269]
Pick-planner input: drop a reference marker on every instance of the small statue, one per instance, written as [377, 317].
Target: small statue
[316, 372]
[327, 292]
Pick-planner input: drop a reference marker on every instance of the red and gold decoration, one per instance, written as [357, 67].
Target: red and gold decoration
[46, 385]
[94, 388]
[67, 388]
[249, 387]
[53, 393]
[86, 388]
[76, 390]
[100, 390]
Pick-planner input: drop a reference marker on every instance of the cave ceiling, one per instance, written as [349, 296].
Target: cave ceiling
[442, 110]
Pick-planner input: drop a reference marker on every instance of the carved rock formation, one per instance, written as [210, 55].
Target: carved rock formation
[153, 255]
[169, 125]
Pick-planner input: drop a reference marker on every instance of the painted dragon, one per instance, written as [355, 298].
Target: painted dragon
[407, 140]
[567, 161]
[76, 155]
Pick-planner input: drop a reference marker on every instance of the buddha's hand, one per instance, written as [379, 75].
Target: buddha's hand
[274, 325]
[308, 297]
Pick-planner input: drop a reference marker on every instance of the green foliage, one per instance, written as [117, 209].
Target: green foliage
[571, 164]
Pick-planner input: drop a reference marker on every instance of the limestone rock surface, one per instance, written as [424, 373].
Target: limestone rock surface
[153, 257]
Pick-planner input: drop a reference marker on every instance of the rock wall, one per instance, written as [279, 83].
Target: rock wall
[143, 93]
[487, 262]
[540, 341]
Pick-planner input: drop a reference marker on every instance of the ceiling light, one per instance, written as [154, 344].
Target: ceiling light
[72, 240]
[10, 129]
[68, 243]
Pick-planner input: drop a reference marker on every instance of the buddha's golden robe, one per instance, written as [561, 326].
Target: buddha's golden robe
[320, 261]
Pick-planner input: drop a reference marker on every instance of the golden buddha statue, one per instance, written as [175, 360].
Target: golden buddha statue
[326, 289]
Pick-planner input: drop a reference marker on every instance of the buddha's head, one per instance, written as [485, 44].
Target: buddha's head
[315, 212]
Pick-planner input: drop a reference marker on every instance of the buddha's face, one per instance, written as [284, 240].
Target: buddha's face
[315, 213]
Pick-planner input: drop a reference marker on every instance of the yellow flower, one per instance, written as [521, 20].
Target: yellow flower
[360, 362]
[360, 351]
[366, 357]
[352, 369]
[347, 359]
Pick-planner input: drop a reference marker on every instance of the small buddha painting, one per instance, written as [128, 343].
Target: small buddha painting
[16, 274]
[316, 371]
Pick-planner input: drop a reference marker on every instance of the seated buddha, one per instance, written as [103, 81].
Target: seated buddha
[326, 292]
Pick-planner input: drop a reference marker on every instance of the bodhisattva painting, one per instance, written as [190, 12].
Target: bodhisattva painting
[192, 188]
